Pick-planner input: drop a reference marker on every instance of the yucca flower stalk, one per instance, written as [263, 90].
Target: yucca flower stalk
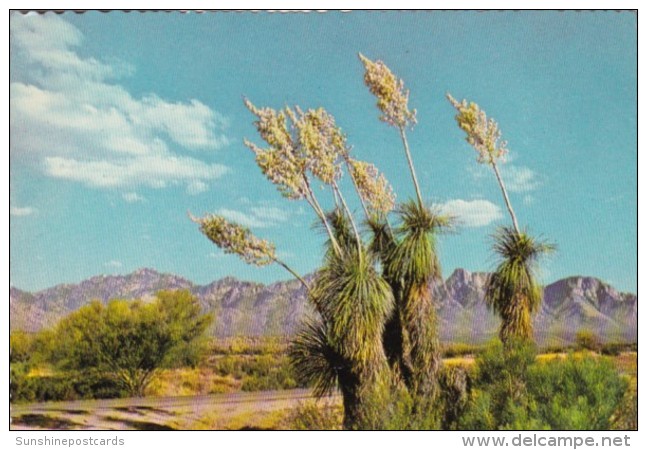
[511, 290]
[374, 191]
[392, 101]
[484, 135]
[290, 156]
[236, 239]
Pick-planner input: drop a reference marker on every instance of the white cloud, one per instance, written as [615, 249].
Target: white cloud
[519, 178]
[516, 178]
[528, 199]
[270, 213]
[197, 187]
[72, 118]
[472, 213]
[22, 211]
[242, 218]
[114, 264]
[257, 217]
[132, 197]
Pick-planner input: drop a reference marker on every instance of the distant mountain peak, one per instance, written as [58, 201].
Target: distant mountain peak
[255, 309]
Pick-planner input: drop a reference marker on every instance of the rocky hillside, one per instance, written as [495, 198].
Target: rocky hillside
[253, 309]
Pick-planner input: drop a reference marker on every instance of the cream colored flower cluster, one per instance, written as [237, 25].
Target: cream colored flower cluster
[279, 163]
[321, 142]
[298, 142]
[392, 98]
[482, 133]
[236, 239]
[372, 186]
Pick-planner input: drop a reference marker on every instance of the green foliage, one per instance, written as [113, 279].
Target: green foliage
[246, 345]
[131, 339]
[453, 350]
[626, 415]
[20, 346]
[62, 387]
[258, 372]
[354, 300]
[500, 395]
[511, 290]
[454, 396]
[576, 393]
[410, 268]
[315, 359]
[514, 391]
[314, 416]
[587, 340]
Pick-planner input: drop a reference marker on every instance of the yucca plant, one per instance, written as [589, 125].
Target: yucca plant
[410, 260]
[412, 266]
[375, 336]
[354, 301]
[512, 290]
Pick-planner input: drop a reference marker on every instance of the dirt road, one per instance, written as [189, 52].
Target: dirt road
[236, 410]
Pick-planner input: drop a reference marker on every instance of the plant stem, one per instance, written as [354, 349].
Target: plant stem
[359, 194]
[350, 217]
[295, 274]
[403, 136]
[505, 197]
[315, 205]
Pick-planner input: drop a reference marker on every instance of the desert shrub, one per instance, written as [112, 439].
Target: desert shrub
[587, 340]
[626, 415]
[63, 387]
[20, 385]
[240, 345]
[513, 390]
[615, 348]
[461, 349]
[313, 415]
[258, 372]
[500, 398]
[576, 393]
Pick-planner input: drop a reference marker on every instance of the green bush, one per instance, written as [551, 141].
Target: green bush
[587, 340]
[615, 348]
[258, 372]
[576, 393]
[314, 416]
[500, 398]
[461, 349]
[61, 387]
[512, 390]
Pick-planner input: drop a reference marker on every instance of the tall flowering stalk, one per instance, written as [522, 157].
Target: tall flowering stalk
[484, 135]
[374, 191]
[511, 290]
[238, 240]
[289, 158]
[392, 101]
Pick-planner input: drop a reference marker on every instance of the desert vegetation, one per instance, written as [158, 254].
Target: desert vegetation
[370, 357]
[375, 335]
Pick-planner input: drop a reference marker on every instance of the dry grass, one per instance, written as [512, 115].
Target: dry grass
[198, 381]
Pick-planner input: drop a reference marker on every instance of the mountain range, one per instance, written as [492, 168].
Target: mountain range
[252, 309]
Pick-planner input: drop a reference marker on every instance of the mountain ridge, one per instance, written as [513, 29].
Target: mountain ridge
[245, 308]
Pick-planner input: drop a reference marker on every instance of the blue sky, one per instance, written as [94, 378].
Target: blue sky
[120, 123]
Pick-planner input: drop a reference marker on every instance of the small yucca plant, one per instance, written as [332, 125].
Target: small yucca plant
[512, 290]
